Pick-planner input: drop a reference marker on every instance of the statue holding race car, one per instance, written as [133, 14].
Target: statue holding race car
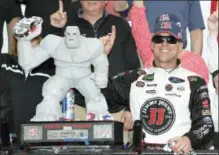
[73, 56]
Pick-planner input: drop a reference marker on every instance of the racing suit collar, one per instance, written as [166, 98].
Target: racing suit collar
[168, 70]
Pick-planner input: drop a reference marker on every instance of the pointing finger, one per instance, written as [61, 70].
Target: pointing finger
[113, 34]
[61, 6]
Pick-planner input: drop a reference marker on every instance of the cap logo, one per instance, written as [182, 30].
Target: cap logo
[164, 17]
[166, 25]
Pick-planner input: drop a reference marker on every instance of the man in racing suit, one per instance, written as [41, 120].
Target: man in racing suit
[171, 101]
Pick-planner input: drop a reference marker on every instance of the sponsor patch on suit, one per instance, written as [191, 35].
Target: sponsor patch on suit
[152, 85]
[151, 91]
[158, 115]
[168, 87]
[148, 77]
[140, 84]
[176, 80]
[180, 88]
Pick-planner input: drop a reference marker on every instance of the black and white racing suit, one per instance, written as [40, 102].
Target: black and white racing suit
[169, 103]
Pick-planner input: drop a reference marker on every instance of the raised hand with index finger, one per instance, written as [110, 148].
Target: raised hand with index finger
[59, 18]
[108, 40]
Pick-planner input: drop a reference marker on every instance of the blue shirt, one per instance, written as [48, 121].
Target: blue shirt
[188, 11]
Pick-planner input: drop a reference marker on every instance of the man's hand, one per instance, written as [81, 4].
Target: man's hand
[108, 40]
[182, 146]
[213, 24]
[59, 18]
[127, 120]
[216, 82]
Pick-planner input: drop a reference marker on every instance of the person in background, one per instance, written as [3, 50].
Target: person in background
[142, 36]
[10, 13]
[212, 41]
[94, 21]
[189, 13]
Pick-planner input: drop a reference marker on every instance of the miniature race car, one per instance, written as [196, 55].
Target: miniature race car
[27, 26]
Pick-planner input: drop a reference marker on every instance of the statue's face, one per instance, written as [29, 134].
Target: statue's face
[72, 37]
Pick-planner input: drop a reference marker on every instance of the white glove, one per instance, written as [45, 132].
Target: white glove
[47, 111]
[100, 80]
[28, 28]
